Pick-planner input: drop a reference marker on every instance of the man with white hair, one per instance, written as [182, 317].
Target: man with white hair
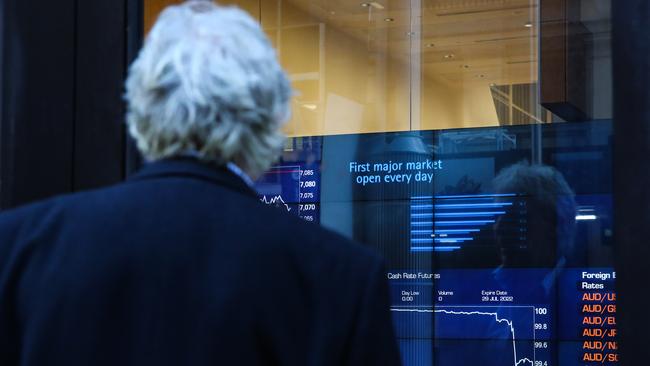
[182, 265]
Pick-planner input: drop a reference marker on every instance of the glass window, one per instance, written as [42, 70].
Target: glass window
[469, 142]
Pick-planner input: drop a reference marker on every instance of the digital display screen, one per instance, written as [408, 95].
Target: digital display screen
[498, 241]
[294, 184]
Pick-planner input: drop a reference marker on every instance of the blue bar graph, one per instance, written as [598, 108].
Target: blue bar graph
[437, 221]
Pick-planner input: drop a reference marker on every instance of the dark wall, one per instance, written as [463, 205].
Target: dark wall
[38, 100]
[631, 62]
[100, 67]
[61, 122]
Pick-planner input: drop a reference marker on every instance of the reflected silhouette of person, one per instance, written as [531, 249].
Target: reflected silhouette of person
[548, 224]
[530, 269]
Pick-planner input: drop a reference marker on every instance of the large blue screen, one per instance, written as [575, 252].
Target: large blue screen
[498, 241]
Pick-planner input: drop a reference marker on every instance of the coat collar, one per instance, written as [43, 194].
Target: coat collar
[194, 168]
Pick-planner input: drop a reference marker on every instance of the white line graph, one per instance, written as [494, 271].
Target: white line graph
[516, 362]
[276, 200]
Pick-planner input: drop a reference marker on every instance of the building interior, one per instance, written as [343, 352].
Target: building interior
[393, 65]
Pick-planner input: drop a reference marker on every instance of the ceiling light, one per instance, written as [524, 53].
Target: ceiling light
[389, 19]
[311, 107]
[376, 5]
[528, 25]
[465, 66]
[431, 45]
[480, 76]
[365, 5]
[449, 56]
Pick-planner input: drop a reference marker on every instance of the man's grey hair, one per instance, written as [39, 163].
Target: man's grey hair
[207, 83]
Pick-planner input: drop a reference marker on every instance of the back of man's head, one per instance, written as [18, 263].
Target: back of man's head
[207, 83]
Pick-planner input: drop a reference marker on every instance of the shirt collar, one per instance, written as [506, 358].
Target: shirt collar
[241, 174]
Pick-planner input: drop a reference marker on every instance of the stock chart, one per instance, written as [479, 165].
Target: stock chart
[293, 187]
[491, 259]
